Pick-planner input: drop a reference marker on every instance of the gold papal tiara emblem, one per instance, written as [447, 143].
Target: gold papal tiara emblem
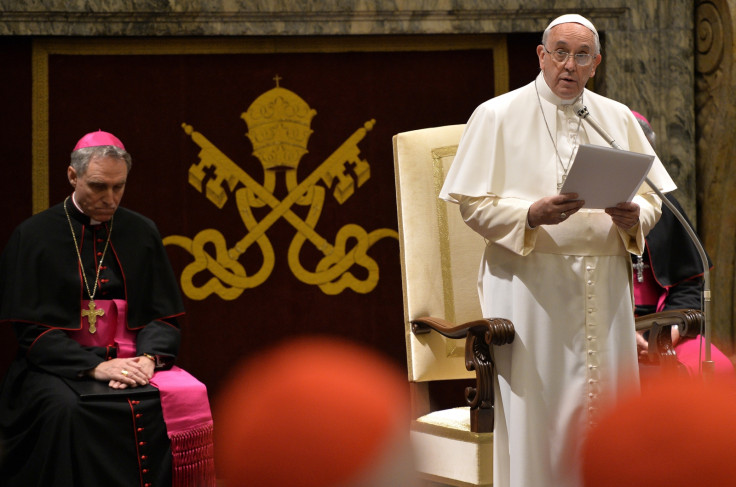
[279, 127]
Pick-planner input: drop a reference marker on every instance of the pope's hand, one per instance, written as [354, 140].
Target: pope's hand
[553, 210]
[624, 215]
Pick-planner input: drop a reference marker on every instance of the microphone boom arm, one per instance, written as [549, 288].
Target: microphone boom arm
[708, 365]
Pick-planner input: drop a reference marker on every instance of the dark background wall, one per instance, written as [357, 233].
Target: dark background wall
[144, 97]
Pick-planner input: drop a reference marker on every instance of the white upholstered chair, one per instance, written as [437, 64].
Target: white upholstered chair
[440, 256]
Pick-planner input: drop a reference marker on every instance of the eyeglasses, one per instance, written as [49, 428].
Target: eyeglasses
[561, 57]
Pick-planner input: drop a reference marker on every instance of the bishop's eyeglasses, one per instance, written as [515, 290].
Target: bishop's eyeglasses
[581, 59]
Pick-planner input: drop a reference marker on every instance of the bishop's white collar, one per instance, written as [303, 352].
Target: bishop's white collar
[92, 221]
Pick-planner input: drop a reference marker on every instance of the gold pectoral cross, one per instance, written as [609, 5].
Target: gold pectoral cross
[92, 315]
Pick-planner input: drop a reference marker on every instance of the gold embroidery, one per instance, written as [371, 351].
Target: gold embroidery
[279, 128]
[440, 166]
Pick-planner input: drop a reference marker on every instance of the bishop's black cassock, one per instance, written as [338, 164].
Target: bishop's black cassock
[672, 273]
[51, 436]
[675, 263]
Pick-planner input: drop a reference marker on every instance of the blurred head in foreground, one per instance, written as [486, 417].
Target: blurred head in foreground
[314, 412]
[679, 433]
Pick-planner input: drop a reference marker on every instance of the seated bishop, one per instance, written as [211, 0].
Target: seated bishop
[93, 396]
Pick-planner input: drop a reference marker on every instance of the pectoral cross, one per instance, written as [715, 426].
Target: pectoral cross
[639, 268]
[92, 315]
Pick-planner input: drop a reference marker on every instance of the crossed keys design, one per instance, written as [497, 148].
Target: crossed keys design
[278, 128]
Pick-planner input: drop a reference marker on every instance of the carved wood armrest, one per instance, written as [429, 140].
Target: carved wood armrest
[499, 331]
[660, 325]
[479, 335]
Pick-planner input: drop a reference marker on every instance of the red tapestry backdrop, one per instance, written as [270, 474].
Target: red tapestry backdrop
[270, 174]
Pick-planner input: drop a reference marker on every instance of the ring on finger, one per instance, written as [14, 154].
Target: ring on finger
[124, 372]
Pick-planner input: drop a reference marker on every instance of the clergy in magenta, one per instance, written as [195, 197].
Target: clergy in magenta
[561, 273]
[93, 397]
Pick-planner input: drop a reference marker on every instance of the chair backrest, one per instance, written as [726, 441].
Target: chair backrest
[440, 254]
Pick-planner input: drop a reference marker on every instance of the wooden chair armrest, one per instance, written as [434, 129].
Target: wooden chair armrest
[479, 335]
[661, 350]
[690, 321]
[498, 331]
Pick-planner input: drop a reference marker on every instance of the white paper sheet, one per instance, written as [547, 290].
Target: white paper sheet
[604, 177]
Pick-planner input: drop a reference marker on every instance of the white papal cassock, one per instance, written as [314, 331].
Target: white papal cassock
[567, 287]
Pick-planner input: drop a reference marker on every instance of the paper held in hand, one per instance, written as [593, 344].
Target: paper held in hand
[604, 177]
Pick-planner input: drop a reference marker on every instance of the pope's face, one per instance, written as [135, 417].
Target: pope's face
[99, 190]
[567, 79]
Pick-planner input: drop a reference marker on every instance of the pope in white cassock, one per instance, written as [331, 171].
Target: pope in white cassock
[560, 273]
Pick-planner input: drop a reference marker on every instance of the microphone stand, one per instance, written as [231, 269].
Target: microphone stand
[708, 366]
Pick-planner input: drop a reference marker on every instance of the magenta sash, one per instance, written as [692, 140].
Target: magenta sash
[649, 292]
[184, 400]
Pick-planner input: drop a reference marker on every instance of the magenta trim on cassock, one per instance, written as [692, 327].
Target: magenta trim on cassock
[184, 400]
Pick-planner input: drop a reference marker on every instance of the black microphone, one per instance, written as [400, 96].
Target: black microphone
[582, 112]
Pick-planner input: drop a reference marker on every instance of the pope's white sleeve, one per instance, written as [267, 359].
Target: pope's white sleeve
[650, 209]
[502, 221]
